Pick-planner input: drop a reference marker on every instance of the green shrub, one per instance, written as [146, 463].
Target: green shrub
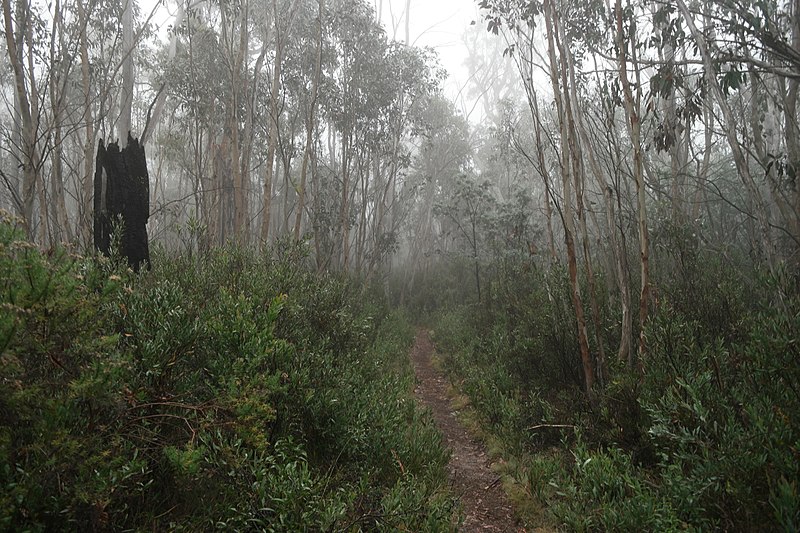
[603, 491]
[706, 438]
[724, 421]
[226, 391]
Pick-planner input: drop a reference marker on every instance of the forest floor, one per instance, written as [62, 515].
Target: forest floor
[486, 507]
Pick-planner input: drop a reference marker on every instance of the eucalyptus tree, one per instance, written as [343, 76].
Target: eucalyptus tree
[626, 41]
[44, 45]
[360, 91]
[497, 155]
[83, 190]
[217, 80]
[19, 30]
[492, 75]
[234, 34]
[416, 79]
[57, 89]
[522, 21]
[126, 88]
[445, 152]
[226, 75]
[371, 93]
[311, 104]
[283, 16]
[469, 206]
[752, 50]
[196, 87]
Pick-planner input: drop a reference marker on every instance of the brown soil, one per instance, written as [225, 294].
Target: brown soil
[485, 505]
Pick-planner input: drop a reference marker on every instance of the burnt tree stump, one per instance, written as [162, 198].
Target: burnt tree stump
[122, 195]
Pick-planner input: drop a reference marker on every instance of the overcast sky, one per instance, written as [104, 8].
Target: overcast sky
[439, 24]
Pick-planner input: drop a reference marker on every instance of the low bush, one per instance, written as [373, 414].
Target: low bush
[707, 437]
[228, 391]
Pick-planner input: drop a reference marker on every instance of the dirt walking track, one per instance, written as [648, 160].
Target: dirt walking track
[485, 505]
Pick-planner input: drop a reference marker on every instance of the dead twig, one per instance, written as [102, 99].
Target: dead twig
[550, 426]
[492, 484]
[399, 462]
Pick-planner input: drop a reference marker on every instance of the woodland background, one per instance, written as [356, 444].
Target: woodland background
[608, 258]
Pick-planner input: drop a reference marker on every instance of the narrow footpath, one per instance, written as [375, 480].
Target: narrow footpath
[485, 505]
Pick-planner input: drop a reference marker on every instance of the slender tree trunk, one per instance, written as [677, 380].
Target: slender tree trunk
[315, 186]
[761, 213]
[475, 258]
[567, 215]
[674, 138]
[764, 152]
[236, 56]
[578, 174]
[301, 190]
[632, 110]
[126, 93]
[86, 184]
[791, 126]
[344, 214]
[250, 98]
[269, 171]
[288, 184]
[615, 195]
[312, 105]
[15, 177]
[61, 229]
[212, 191]
[28, 155]
[361, 234]
[378, 212]
[705, 164]
[41, 187]
[408, 22]
[548, 193]
[624, 354]
[238, 185]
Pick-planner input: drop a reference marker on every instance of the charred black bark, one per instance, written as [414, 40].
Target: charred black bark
[122, 195]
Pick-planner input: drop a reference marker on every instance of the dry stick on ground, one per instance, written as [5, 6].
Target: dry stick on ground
[492, 484]
[557, 426]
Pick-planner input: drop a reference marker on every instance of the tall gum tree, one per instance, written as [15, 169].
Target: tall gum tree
[16, 29]
[310, 119]
[568, 162]
[282, 18]
[358, 96]
[578, 153]
[444, 154]
[743, 169]
[57, 91]
[126, 89]
[632, 104]
[520, 19]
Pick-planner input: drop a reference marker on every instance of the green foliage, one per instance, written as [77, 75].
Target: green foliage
[524, 326]
[487, 370]
[706, 438]
[407, 508]
[438, 287]
[226, 391]
[604, 491]
[723, 420]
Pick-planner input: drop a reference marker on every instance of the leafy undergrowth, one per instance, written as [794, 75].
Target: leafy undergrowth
[707, 439]
[229, 392]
